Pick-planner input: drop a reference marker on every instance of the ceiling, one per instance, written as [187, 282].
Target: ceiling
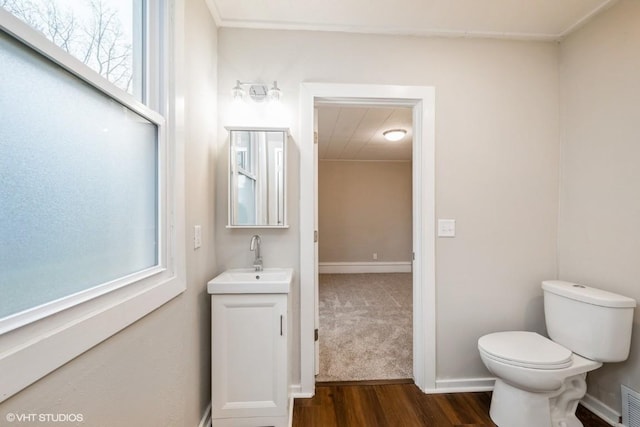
[512, 19]
[348, 132]
[355, 132]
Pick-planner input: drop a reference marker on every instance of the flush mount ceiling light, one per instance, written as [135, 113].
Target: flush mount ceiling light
[394, 134]
[258, 92]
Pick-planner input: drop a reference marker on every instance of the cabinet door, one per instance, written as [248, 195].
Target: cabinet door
[249, 355]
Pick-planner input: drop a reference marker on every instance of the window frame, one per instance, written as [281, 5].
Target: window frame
[48, 336]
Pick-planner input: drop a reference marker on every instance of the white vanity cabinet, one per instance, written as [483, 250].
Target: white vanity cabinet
[249, 364]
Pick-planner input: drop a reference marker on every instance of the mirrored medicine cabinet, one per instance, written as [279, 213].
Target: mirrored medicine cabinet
[257, 177]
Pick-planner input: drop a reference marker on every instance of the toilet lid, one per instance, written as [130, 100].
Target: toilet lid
[526, 349]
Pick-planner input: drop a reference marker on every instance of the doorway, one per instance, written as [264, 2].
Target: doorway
[365, 242]
[422, 102]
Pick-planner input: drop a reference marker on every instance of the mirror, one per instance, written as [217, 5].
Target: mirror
[257, 160]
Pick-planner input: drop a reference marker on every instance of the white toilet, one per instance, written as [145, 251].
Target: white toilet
[539, 381]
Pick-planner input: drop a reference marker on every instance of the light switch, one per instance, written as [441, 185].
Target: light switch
[446, 228]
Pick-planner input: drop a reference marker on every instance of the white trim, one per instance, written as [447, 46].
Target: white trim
[231, 195]
[39, 43]
[295, 391]
[396, 31]
[422, 99]
[364, 161]
[463, 385]
[403, 31]
[364, 267]
[205, 421]
[424, 246]
[301, 395]
[608, 414]
[586, 18]
[50, 308]
[213, 10]
[231, 227]
[291, 403]
[53, 347]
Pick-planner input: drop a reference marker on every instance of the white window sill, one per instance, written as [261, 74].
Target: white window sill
[33, 351]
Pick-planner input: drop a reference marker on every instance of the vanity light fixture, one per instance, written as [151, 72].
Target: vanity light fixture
[238, 92]
[274, 93]
[258, 92]
[394, 134]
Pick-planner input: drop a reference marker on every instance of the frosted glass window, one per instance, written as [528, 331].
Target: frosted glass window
[78, 184]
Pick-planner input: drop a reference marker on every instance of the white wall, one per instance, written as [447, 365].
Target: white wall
[497, 146]
[599, 235]
[155, 373]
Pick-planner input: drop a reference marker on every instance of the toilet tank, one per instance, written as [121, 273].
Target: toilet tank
[593, 323]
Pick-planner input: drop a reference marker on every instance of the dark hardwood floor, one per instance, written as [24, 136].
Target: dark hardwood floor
[383, 404]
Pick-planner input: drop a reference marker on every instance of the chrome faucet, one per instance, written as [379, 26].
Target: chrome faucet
[255, 246]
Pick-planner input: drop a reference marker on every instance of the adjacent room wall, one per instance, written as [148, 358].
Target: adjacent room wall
[599, 234]
[497, 147]
[156, 372]
[364, 207]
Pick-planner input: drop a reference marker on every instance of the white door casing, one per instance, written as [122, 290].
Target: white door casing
[422, 100]
[316, 238]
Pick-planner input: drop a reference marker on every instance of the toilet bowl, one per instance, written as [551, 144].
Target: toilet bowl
[539, 380]
[536, 379]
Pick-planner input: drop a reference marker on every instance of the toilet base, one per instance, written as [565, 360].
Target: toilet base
[511, 406]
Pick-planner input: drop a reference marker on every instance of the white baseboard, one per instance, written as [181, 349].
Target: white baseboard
[608, 414]
[205, 421]
[295, 391]
[463, 385]
[364, 267]
[290, 423]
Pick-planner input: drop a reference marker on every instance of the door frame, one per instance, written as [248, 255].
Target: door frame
[422, 100]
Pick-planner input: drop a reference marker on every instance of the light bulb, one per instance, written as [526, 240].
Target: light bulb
[274, 93]
[237, 92]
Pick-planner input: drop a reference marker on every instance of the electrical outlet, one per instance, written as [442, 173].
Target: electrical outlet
[197, 236]
[375, 255]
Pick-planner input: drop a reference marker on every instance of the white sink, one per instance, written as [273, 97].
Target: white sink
[249, 281]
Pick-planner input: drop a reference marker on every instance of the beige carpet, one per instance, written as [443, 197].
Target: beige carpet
[365, 326]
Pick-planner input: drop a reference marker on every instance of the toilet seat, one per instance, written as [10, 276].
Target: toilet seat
[525, 349]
